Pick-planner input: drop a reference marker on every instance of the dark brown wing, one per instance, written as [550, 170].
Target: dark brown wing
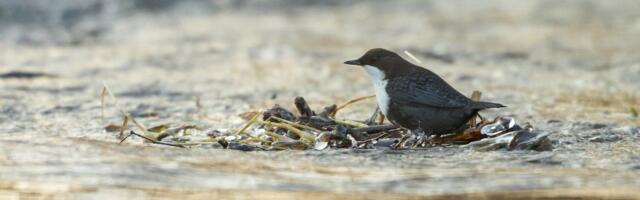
[421, 87]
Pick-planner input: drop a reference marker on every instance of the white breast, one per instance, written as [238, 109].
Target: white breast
[379, 84]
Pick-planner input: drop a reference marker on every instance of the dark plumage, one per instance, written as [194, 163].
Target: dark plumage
[417, 97]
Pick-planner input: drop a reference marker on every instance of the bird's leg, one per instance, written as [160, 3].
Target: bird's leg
[416, 138]
[407, 140]
[422, 137]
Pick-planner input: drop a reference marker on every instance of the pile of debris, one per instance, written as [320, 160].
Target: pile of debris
[279, 129]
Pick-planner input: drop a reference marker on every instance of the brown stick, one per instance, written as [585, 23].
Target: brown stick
[152, 140]
[124, 126]
[349, 103]
[375, 128]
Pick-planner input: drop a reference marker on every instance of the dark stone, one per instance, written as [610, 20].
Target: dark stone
[280, 112]
[154, 5]
[25, 75]
[605, 138]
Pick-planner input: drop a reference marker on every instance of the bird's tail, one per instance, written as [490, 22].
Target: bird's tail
[484, 105]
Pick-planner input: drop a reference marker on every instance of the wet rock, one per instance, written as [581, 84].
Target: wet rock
[322, 141]
[527, 139]
[385, 143]
[242, 147]
[343, 138]
[605, 138]
[631, 131]
[491, 144]
[501, 125]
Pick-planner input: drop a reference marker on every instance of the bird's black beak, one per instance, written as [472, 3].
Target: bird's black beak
[353, 62]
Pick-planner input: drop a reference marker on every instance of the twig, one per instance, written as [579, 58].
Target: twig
[127, 116]
[412, 56]
[294, 124]
[279, 137]
[249, 140]
[349, 103]
[125, 122]
[102, 95]
[153, 141]
[125, 138]
[138, 124]
[295, 130]
[105, 91]
[173, 131]
[350, 123]
[380, 135]
[376, 128]
[249, 123]
[198, 143]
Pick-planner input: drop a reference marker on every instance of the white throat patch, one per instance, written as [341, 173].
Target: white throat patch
[379, 85]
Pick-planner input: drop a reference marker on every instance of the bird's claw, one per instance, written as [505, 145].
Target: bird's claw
[421, 141]
[415, 139]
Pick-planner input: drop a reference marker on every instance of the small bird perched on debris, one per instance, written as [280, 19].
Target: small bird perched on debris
[414, 97]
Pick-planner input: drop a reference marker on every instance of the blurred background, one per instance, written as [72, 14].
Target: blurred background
[565, 66]
[578, 57]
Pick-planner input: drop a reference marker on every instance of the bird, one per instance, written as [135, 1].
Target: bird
[416, 98]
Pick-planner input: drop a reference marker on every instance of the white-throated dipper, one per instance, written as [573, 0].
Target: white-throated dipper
[414, 97]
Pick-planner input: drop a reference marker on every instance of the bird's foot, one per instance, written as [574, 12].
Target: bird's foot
[407, 140]
[422, 138]
[416, 139]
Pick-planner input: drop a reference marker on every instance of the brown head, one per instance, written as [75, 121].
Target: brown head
[384, 60]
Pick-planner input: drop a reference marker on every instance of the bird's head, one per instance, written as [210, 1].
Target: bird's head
[380, 60]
